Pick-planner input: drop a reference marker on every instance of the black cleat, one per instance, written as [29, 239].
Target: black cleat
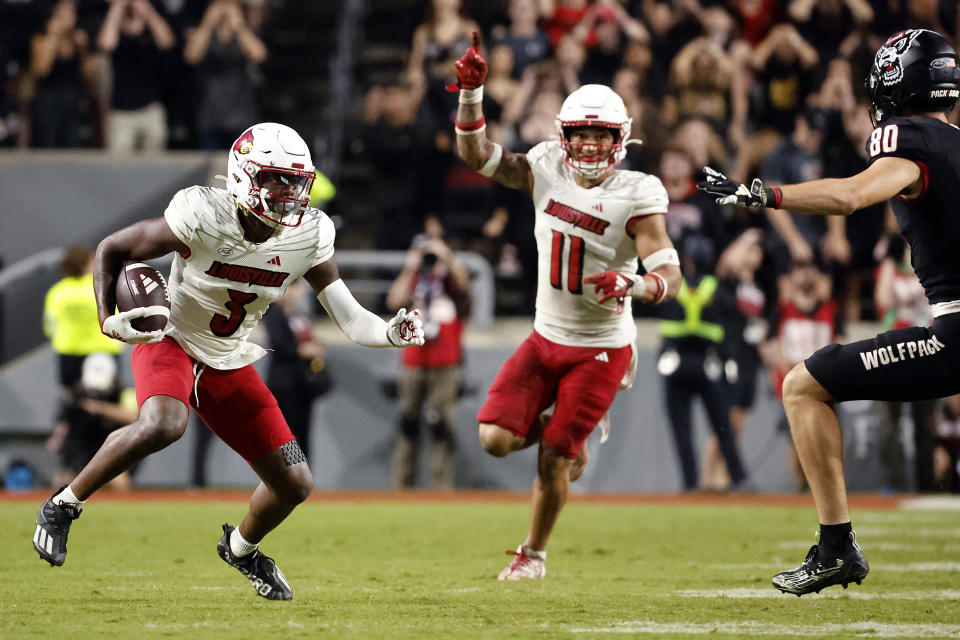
[53, 525]
[823, 569]
[259, 569]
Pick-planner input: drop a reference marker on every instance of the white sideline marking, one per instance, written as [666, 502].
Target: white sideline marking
[753, 628]
[932, 503]
[750, 593]
[901, 568]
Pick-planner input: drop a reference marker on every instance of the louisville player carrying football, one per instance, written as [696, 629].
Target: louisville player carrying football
[914, 157]
[236, 252]
[590, 219]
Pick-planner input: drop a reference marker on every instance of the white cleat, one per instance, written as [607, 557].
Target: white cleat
[527, 563]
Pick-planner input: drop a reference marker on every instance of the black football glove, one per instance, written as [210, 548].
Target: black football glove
[736, 193]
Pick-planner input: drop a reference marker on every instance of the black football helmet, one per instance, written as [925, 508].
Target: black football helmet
[916, 68]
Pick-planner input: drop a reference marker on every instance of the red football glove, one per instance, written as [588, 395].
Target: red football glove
[611, 284]
[471, 68]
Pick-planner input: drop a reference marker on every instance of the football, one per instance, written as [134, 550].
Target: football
[140, 285]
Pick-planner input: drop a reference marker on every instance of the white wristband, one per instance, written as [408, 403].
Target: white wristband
[493, 162]
[660, 258]
[639, 286]
[471, 96]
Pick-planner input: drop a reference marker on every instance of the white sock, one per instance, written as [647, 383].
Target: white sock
[240, 547]
[66, 497]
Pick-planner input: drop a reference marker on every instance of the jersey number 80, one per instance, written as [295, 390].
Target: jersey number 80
[884, 139]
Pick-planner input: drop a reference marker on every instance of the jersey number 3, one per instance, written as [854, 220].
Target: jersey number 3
[574, 263]
[884, 139]
[224, 326]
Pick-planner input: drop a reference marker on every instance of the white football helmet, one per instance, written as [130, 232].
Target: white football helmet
[594, 105]
[270, 173]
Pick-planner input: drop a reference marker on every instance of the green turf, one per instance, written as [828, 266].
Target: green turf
[401, 570]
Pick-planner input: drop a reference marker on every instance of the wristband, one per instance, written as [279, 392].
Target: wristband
[493, 162]
[470, 128]
[639, 287]
[659, 258]
[661, 288]
[471, 96]
[777, 197]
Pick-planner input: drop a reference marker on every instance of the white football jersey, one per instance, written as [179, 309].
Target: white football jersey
[221, 289]
[580, 232]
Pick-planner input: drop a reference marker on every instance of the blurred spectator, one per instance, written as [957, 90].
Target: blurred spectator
[70, 316]
[528, 43]
[298, 372]
[134, 34]
[797, 159]
[694, 359]
[784, 64]
[434, 281]
[901, 302]
[757, 18]
[825, 23]
[560, 17]
[437, 42]
[806, 319]
[390, 134]
[62, 74]
[226, 52]
[707, 83]
[737, 272]
[95, 405]
[608, 22]
[946, 455]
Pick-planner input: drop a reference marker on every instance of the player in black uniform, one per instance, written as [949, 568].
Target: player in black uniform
[915, 158]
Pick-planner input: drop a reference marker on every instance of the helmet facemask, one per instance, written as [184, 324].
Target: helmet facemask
[602, 156]
[282, 194]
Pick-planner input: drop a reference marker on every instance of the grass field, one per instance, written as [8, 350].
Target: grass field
[378, 568]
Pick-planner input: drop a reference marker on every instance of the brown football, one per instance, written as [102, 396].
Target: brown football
[140, 285]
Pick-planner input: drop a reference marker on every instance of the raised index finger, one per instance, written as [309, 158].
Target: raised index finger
[476, 40]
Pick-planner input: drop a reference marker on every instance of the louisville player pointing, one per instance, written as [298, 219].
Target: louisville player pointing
[914, 157]
[237, 249]
[590, 219]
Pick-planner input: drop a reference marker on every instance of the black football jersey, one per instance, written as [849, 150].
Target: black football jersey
[930, 222]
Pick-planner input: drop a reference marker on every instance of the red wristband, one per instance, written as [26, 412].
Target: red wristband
[777, 196]
[471, 126]
[661, 287]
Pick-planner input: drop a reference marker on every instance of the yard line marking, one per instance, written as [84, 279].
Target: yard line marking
[900, 568]
[881, 546]
[769, 592]
[932, 503]
[755, 628]
[907, 531]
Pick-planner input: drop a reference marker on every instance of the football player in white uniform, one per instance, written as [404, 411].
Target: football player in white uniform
[590, 219]
[237, 250]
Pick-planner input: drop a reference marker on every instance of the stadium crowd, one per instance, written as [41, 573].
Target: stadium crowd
[750, 87]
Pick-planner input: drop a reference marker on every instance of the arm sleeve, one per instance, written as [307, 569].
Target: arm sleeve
[358, 324]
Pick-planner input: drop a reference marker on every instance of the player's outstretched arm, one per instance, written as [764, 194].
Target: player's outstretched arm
[141, 241]
[882, 180]
[489, 158]
[360, 325]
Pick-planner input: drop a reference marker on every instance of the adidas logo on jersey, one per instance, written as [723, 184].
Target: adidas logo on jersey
[274, 260]
[148, 283]
[598, 207]
[602, 357]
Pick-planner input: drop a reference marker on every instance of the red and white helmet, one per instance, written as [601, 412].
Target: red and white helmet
[271, 153]
[594, 105]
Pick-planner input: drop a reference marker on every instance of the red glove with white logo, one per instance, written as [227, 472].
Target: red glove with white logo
[611, 284]
[471, 67]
